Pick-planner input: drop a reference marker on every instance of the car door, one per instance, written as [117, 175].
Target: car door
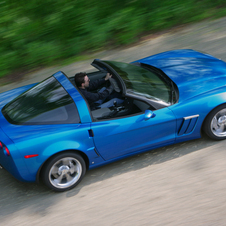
[121, 136]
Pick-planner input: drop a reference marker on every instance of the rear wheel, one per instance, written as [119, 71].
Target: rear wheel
[215, 123]
[64, 171]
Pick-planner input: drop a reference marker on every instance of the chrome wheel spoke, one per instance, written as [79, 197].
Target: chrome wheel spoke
[220, 128]
[69, 177]
[214, 123]
[59, 179]
[54, 170]
[73, 168]
[65, 161]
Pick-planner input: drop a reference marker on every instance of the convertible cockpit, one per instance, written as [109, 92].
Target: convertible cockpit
[128, 107]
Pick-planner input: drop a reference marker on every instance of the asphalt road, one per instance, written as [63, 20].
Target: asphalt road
[182, 184]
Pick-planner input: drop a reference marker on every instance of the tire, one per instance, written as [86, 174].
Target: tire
[215, 123]
[64, 171]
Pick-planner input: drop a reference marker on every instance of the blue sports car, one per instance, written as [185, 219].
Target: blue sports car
[49, 131]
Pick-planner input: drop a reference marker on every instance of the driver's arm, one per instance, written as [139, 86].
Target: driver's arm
[97, 83]
[108, 76]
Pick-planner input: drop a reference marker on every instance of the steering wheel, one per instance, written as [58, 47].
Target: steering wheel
[114, 85]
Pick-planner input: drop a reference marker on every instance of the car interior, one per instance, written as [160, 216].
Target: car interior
[130, 106]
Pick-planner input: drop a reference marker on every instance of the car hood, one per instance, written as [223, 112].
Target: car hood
[194, 73]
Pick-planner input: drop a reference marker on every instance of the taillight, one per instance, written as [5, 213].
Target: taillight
[1, 145]
[5, 149]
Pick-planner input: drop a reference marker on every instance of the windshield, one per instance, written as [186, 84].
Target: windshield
[143, 82]
[45, 103]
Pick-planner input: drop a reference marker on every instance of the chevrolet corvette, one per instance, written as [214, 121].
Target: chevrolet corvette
[48, 130]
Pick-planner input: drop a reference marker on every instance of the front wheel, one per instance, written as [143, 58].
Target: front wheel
[64, 171]
[215, 123]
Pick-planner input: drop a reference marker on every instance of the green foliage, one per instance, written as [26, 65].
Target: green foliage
[41, 32]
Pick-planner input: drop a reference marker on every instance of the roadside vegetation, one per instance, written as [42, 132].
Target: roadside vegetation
[38, 33]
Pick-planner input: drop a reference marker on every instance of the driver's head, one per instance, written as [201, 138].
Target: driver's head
[82, 80]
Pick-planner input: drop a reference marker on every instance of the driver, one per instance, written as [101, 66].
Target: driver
[96, 100]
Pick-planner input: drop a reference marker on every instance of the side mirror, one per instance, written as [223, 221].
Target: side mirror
[148, 114]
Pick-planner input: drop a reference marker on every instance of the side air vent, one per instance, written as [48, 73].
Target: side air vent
[188, 124]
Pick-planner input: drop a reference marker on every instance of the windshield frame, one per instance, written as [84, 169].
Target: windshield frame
[156, 103]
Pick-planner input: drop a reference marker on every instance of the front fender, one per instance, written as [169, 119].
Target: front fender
[199, 106]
